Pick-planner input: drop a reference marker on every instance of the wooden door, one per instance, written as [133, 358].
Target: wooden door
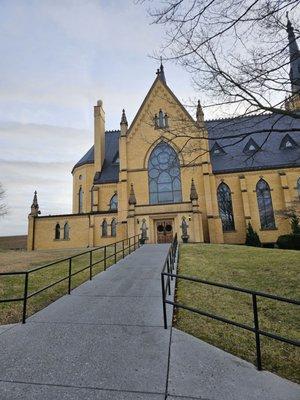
[164, 231]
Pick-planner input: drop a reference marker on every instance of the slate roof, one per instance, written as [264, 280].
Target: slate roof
[228, 133]
[110, 169]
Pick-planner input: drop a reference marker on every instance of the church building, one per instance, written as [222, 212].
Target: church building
[167, 172]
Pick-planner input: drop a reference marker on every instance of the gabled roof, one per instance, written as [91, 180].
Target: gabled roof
[232, 134]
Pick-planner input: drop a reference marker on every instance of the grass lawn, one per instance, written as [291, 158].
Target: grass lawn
[13, 286]
[268, 270]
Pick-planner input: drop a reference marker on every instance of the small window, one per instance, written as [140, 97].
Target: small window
[57, 231]
[104, 228]
[116, 158]
[113, 228]
[161, 120]
[217, 150]
[80, 177]
[288, 143]
[251, 147]
[66, 231]
[298, 187]
[80, 200]
[113, 204]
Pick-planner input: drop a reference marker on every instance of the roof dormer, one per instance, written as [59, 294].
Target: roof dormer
[251, 147]
[288, 143]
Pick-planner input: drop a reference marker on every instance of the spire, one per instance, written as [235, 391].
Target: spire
[193, 193]
[34, 206]
[132, 199]
[160, 72]
[123, 118]
[294, 58]
[199, 113]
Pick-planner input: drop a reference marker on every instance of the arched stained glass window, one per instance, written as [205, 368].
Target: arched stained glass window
[113, 204]
[104, 228]
[298, 187]
[164, 175]
[225, 207]
[66, 231]
[80, 200]
[265, 207]
[113, 227]
[57, 231]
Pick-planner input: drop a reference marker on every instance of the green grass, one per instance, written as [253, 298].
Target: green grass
[13, 286]
[268, 270]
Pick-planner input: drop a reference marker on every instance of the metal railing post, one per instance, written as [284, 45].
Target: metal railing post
[129, 249]
[104, 259]
[256, 327]
[91, 265]
[70, 275]
[25, 298]
[163, 300]
[115, 252]
[123, 243]
[168, 279]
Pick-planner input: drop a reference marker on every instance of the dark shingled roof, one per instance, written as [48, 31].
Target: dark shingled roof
[110, 169]
[221, 131]
[269, 156]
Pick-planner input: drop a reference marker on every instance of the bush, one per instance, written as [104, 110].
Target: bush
[252, 238]
[291, 242]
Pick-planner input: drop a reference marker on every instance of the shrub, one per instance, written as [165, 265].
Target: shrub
[291, 242]
[252, 238]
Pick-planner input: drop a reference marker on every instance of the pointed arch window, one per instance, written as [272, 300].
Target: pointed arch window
[66, 231]
[164, 175]
[113, 204]
[104, 228]
[80, 200]
[225, 207]
[265, 206]
[113, 227]
[57, 231]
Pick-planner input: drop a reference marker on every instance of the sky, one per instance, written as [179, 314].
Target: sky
[58, 57]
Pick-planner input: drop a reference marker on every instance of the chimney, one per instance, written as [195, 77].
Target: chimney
[99, 135]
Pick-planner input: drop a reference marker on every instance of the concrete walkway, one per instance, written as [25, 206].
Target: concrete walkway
[106, 341]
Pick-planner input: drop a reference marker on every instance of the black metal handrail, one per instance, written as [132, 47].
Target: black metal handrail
[133, 242]
[168, 275]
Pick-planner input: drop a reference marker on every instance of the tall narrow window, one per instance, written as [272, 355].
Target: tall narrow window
[113, 227]
[80, 200]
[113, 204]
[104, 228]
[298, 187]
[57, 231]
[225, 207]
[265, 207]
[66, 231]
[164, 175]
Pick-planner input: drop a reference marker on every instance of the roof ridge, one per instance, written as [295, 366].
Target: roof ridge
[113, 130]
[239, 116]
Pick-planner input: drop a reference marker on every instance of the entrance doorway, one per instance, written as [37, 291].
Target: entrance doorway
[164, 231]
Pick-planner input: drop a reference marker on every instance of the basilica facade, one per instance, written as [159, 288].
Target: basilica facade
[168, 173]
